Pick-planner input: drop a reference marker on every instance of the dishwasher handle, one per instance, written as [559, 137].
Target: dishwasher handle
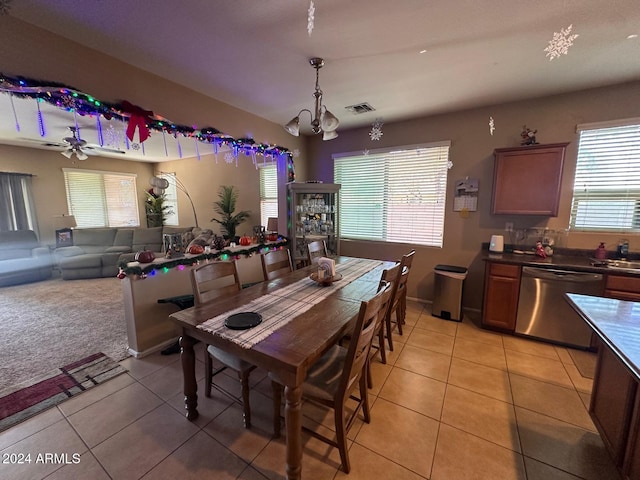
[561, 275]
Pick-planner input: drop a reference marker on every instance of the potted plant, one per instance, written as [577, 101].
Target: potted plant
[225, 207]
[156, 209]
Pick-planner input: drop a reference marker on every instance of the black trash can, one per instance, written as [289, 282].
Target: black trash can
[447, 295]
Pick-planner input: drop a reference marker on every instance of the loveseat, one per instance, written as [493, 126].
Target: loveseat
[97, 252]
[22, 258]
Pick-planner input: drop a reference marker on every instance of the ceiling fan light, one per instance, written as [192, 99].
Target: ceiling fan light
[328, 121]
[293, 126]
[81, 155]
[329, 135]
[67, 153]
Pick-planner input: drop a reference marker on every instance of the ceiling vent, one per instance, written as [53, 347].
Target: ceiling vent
[359, 108]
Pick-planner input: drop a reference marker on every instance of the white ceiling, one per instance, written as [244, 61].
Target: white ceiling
[254, 54]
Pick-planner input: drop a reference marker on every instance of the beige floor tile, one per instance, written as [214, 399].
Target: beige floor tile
[102, 419]
[199, 457]
[29, 427]
[564, 355]
[320, 461]
[582, 384]
[379, 373]
[392, 356]
[167, 381]
[555, 401]
[424, 362]
[543, 369]
[87, 467]
[92, 395]
[469, 330]
[437, 342]
[434, 324]
[531, 347]
[141, 367]
[489, 381]
[479, 352]
[485, 417]
[58, 438]
[416, 392]
[564, 446]
[586, 399]
[541, 471]
[251, 473]
[401, 435]
[208, 408]
[136, 449]
[412, 316]
[460, 455]
[367, 465]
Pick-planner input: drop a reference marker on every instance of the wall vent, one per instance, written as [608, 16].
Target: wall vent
[359, 108]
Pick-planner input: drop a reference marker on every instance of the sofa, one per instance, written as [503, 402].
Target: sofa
[22, 258]
[97, 252]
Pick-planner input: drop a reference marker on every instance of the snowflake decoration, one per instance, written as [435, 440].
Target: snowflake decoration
[311, 17]
[560, 43]
[135, 146]
[296, 153]
[365, 152]
[228, 157]
[113, 138]
[449, 165]
[492, 125]
[376, 130]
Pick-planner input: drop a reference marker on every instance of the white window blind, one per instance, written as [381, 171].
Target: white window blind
[395, 195]
[171, 198]
[606, 191]
[102, 199]
[268, 192]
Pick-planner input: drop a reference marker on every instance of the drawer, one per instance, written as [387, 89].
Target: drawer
[504, 270]
[623, 284]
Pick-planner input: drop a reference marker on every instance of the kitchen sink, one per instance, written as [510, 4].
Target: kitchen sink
[618, 264]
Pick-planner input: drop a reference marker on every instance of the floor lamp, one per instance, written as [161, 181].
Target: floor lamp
[160, 184]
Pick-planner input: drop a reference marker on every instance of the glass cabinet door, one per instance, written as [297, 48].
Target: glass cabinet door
[313, 215]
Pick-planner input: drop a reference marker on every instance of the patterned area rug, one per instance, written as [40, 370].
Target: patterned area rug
[58, 386]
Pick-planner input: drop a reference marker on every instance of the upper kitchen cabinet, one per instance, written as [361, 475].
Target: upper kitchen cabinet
[526, 180]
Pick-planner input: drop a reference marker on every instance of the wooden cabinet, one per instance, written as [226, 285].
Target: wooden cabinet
[501, 289]
[622, 288]
[526, 180]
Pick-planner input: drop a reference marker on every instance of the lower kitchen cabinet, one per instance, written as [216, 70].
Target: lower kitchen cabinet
[622, 288]
[501, 289]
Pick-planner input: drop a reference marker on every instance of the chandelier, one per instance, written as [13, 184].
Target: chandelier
[322, 120]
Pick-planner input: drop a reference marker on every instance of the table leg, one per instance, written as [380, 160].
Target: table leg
[188, 358]
[293, 421]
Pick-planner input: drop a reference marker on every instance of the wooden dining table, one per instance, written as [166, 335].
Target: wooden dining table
[288, 352]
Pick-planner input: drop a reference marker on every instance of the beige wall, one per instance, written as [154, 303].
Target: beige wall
[472, 147]
[28, 51]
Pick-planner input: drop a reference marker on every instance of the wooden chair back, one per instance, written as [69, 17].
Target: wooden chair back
[361, 339]
[213, 280]
[407, 260]
[391, 275]
[276, 263]
[316, 250]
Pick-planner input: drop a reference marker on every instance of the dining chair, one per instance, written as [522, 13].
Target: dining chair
[331, 380]
[209, 282]
[316, 250]
[399, 306]
[276, 263]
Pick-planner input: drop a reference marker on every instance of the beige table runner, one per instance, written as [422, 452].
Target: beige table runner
[282, 306]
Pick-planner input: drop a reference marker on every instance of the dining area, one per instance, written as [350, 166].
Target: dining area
[312, 331]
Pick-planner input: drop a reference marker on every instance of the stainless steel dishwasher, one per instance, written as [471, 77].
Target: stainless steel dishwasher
[543, 311]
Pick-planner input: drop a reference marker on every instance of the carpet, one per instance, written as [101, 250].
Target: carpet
[584, 361]
[58, 386]
[55, 322]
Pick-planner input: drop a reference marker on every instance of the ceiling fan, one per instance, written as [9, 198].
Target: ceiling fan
[76, 145]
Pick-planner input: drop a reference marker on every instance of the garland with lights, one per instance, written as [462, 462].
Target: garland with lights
[73, 100]
[189, 260]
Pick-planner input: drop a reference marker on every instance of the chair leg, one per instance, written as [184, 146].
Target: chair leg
[369, 376]
[387, 321]
[246, 406]
[277, 402]
[383, 353]
[208, 367]
[399, 320]
[341, 436]
[365, 401]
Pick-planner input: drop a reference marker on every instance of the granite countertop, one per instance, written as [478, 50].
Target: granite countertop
[616, 322]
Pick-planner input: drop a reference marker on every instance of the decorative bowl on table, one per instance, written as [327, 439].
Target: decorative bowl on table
[325, 281]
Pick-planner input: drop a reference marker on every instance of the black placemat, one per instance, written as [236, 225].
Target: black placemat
[243, 320]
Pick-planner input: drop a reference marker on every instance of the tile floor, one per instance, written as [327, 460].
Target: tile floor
[453, 402]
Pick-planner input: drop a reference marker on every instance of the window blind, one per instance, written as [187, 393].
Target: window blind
[171, 198]
[606, 191]
[268, 192]
[102, 199]
[394, 195]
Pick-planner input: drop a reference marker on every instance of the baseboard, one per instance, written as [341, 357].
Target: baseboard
[154, 349]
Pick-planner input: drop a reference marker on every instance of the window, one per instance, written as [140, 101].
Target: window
[606, 190]
[394, 195]
[171, 198]
[268, 192]
[17, 210]
[102, 199]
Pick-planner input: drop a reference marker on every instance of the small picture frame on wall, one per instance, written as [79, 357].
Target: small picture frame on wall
[64, 237]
